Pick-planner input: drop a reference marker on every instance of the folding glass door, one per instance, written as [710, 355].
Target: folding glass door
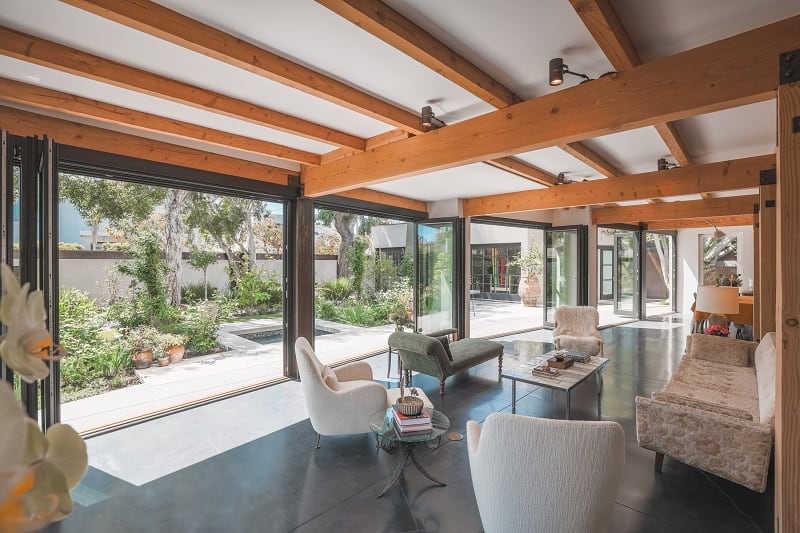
[660, 268]
[437, 298]
[565, 268]
[626, 274]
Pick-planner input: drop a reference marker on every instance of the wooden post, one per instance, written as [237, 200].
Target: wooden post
[301, 321]
[787, 395]
[756, 274]
[766, 243]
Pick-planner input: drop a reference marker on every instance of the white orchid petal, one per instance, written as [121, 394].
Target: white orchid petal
[28, 368]
[49, 496]
[13, 436]
[66, 450]
[35, 443]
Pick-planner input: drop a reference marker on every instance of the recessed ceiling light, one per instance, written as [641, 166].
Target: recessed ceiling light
[34, 79]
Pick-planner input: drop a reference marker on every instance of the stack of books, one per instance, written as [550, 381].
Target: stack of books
[411, 425]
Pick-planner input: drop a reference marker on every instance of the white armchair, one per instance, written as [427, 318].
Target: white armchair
[339, 401]
[539, 475]
[576, 329]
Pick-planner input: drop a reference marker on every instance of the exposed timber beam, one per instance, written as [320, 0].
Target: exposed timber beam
[732, 220]
[66, 132]
[77, 106]
[383, 198]
[727, 73]
[56, 56]
[604, 24]
[714, 207]
[591, 158]
[380, 20]
[161, 22]
[522, 169]
[723, 176]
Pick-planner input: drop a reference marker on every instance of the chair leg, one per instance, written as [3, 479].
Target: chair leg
[500, 364]
[317, 446]
[441, 387]
[659, 462]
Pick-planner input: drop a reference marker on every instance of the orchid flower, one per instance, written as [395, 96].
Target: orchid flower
[27, 343]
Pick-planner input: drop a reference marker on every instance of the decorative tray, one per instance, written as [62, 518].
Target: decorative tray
[541, 370]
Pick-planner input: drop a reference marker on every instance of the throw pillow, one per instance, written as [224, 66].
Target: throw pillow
[446, 345]
[329, 376]
[721, 349]
[765, 376]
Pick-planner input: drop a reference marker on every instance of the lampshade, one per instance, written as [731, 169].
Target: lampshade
[717, 300]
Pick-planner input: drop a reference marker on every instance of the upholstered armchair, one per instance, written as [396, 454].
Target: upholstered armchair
[576, 329]
[539, 475]
[339, 401]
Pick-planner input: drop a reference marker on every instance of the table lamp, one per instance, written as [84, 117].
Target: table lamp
[717, 301]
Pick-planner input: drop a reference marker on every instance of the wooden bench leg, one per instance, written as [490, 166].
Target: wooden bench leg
[500, 364]
[659, 461]
[441, 387]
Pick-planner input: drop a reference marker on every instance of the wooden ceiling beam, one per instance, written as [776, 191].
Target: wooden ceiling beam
[380, 20]
[714, 207]
[724, 221]
[368, 195]
[77, 106]
[56, 56]
[163, 23]
[524, 170]
[727, 73]
[722, 176]
[591, 158]
[25, 123]
[604, 24]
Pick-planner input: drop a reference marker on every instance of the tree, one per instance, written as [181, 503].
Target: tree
[345, 225]
[173, 243]
[270, 233]
[99, 199]
[201, 259]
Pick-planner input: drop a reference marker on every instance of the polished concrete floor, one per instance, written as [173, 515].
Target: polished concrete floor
[240, 473]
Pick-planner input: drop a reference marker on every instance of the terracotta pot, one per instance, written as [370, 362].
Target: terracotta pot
[163, 361]
[143, 359]
[529, 290]
[176, 353]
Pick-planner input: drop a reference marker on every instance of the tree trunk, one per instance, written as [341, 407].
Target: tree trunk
[251, 235]
[205, 284]
[95, 230]
[345, 224]
[173, 243]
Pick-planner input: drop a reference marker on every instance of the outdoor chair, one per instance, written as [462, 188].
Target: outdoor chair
[540, 475]
[576, 329]
[339, 401]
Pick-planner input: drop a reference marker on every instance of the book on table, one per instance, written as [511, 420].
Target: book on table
[424, 417]
[415, 429]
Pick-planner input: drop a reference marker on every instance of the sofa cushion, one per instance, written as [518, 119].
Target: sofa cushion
[721, 349]
[446, 345]
[765, 376]
[705, 406]
[470, 352]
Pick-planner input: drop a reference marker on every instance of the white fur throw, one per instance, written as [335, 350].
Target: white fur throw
[576, 329]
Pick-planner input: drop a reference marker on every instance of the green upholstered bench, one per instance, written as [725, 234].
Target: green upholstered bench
[427, 354]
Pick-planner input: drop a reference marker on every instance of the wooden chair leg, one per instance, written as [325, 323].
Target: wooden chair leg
[659, 461]
[500, 364]
[441, 387]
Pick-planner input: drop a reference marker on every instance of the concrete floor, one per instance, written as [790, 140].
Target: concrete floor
[249, 463]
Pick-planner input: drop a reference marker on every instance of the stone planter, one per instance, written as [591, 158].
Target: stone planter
[142, 359]
[529, 290]
[176, 353]
[163, 361]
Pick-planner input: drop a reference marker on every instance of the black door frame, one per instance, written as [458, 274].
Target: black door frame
[582, 245]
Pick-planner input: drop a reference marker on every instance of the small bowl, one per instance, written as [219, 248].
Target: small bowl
[409, 405]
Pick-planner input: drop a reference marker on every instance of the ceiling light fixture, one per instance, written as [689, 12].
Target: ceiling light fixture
[429, 120]
[663, 164]
[718, 233]
[558, 69]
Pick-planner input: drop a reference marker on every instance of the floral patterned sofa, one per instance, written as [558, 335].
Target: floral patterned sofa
[716, 412]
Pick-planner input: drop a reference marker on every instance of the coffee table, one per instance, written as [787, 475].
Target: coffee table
[566, 380]
[389, 439]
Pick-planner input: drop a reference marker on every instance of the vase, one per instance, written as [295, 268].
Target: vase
[142, 359]
[529, 290]
[163, 361]
[176, 353]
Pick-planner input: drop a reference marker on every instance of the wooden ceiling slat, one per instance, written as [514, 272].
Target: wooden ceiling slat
[705, 79]
[591, 158]
[522, 169]
[722, 176]
[56, 56]
[161, 22]
[368, 195]
[714, 207]
[733, 220]
[40, 97]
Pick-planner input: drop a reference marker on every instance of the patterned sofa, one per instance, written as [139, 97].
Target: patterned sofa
[716, 412]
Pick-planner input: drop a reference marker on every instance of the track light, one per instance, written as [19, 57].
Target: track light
[718, 233]
[558, 69]
[429, 120]
[663, 164]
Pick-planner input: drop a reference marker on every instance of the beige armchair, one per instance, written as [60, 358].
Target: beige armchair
[539, 475]
[576, 329]
[339, 401]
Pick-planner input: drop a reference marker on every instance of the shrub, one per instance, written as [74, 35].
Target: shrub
[195, 292]
[258, 291]
[325, 310]
[335, 290]
[199, 324]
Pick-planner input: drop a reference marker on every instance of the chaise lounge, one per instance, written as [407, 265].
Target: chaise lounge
[435, 356]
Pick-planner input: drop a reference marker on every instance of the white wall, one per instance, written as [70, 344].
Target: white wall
[689, 260]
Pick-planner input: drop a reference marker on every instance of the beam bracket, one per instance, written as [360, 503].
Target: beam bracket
[767, 177]
[796, 125]
[769, 203]
[790, 67]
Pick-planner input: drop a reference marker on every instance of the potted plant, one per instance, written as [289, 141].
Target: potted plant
[530, 264]
[174, 346]
[143, 342]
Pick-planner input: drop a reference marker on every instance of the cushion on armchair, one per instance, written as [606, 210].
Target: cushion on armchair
[765, 375]
[721, 349]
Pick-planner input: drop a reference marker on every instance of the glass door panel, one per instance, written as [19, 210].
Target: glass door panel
[659, 281]
[626, 269]
[565, 266]
[435, 307]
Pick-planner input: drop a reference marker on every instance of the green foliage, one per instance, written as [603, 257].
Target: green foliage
[335, 290]
[199, 324]
[202, 258]
[98, 359]
[380, 271]
[406, 267]
[531, 262]
[99, 198]
[258, 291]
[196, 292]
[148, 269]
[73, 246]
[369, 312]
[357, 256]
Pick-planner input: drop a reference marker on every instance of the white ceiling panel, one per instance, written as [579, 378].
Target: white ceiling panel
[682, 198]
[731, 134]
[739, 192]
[60, 81]
[661, 28]
[556, 160]
[468, 181]
[632, 151]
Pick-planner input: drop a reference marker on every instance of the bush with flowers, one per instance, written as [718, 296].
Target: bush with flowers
[37, 470]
